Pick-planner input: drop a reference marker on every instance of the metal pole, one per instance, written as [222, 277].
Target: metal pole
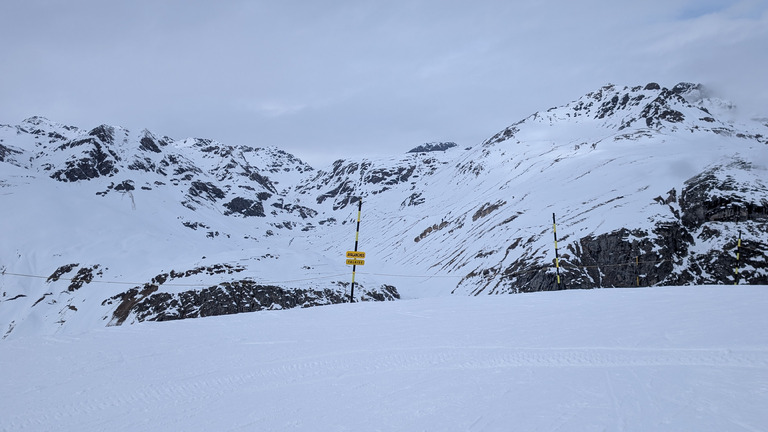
[557, 256]
[357, 237]
[738, 253]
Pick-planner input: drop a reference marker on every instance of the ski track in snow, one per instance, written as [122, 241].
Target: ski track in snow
[203, 387]
[617, 360]
[199, 389]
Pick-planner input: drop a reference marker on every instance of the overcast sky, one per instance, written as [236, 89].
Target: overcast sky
[337, 78]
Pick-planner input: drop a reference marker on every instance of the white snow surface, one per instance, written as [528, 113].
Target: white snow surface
[654, 359]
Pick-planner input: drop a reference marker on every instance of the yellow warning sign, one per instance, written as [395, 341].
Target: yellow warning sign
[355, 254]
[355, 262]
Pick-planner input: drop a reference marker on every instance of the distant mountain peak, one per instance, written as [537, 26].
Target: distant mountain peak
[36, 120]
[645, 108]
[433, 147]
[39, 123]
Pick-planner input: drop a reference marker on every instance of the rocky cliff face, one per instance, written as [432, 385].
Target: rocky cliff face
[148, 304]
[695, 244]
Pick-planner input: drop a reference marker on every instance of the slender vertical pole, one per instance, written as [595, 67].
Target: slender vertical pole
[637, 270]
[557, 256]
[738, 253]
[357, 237]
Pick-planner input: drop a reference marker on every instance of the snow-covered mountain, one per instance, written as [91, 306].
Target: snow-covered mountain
[648, 186]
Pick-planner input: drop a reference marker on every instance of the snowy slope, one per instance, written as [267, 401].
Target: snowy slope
[634, 174]
[96, 222]
[660, 359]
[650, 186]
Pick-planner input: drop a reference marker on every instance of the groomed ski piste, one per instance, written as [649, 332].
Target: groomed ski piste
[691, 358]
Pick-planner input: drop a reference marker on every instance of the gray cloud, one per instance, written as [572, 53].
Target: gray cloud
[330, 79]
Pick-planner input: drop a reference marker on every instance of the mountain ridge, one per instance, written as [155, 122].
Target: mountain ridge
[646, 184]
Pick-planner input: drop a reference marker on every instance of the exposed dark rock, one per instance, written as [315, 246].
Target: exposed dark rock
[227, 298]
[432, 147]
[344, 191]
[195, 225]
[619, 258]
[715, 195]
[209, 270]
[342, 182]
[206, 190]
[160, 279]
[180, 165]
[415, 199]
[685, 87]
[609, 107]
[472, 167]
[106, 134]
[431, 229]
[145, 164]
[304, 212]
[709, 207]
[719, 266]
[244, 207]
[389, 176]
[262, 180]
[616, 259]
[384, 293]
[659, 110]
[149, 144]
[61, 271]
[503, 135]
[126, 185]
[83, 276]
[487, 209]
[97, 161]
[127, 301]
[41, 299]
[7, 151]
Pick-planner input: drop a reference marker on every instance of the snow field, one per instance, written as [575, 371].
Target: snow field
[663, 359]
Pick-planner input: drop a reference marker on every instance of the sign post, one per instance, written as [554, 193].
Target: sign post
[355, 258]
[738, 253]
[557, 256]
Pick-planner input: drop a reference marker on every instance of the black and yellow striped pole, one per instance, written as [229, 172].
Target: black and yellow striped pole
[738, 253]
[357, 238]
[557, 256]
